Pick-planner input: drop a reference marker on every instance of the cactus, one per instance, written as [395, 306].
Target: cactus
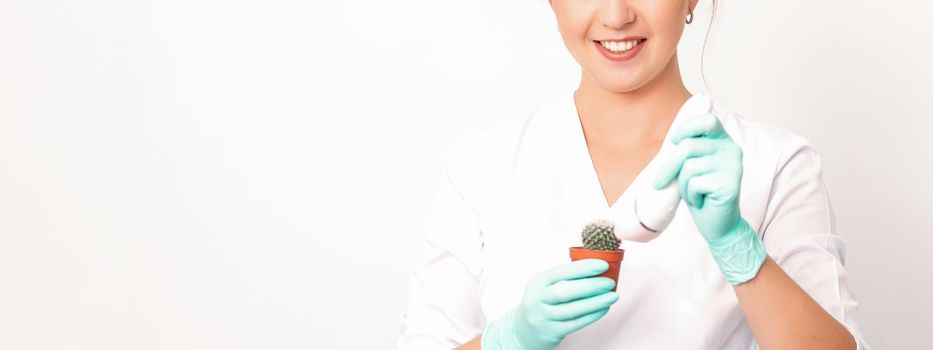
[600, 235]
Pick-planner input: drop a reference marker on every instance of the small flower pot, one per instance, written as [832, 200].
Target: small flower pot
[614, 258]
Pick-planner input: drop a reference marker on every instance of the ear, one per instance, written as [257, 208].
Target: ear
[693, 4]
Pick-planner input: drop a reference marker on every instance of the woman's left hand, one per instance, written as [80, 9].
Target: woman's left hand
[708, 169]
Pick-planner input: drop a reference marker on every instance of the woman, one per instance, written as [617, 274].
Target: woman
[751, 257]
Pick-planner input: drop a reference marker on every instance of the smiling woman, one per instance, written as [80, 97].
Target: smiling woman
[658, 25]
[665, 31]
[752, 258]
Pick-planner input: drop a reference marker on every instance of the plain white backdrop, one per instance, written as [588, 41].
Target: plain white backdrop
[206, 174]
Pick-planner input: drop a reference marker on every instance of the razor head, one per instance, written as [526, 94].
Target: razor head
[649, 215]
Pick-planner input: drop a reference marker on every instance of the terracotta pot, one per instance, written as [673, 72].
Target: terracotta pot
[614, 258]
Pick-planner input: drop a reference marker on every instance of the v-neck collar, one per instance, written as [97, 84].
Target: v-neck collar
[580, 154]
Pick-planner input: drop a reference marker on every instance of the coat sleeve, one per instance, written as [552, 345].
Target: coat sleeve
[443, 308]
[799, 233]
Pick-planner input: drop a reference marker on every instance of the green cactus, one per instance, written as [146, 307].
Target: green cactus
[600, 235]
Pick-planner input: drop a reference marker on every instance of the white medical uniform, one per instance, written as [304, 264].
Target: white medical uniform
[516, 193]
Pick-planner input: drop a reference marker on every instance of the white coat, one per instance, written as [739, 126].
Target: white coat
[514, 195]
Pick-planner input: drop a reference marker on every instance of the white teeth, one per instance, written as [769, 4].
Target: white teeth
[619, 46]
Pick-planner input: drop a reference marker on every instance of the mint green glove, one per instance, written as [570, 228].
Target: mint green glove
[557, 302]
[708, 168]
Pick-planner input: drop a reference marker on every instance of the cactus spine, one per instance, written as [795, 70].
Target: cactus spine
[600, 235]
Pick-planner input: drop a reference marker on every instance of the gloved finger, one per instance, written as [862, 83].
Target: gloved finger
[692, 168]
[689, 148]
[716, 187]
[570, 290]
[580, 307]
[575, 269]
[570, 326]
[705, 125]
[700, 186]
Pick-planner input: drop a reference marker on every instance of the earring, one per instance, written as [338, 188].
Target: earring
[690, 17]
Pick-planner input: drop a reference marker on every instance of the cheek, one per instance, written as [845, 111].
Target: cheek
[575, 40]
[573, 22]
[668, 39]
[665, 18]
[669, 24]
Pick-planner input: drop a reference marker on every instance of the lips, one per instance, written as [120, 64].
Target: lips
[618, 51]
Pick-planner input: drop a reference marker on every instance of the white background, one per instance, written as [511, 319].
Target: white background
[254, 174]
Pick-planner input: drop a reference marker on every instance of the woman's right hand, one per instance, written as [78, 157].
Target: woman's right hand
[556, 302]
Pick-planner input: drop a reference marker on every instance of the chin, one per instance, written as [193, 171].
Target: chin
[620, 83]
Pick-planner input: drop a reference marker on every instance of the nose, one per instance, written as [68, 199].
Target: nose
[616, 14]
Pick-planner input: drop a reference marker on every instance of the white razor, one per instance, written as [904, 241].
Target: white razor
[651, 213]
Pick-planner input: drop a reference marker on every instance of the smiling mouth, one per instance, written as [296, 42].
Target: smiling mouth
[619, 46]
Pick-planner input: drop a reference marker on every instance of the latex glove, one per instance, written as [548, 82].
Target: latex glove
[556, 302]
[708, 169]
